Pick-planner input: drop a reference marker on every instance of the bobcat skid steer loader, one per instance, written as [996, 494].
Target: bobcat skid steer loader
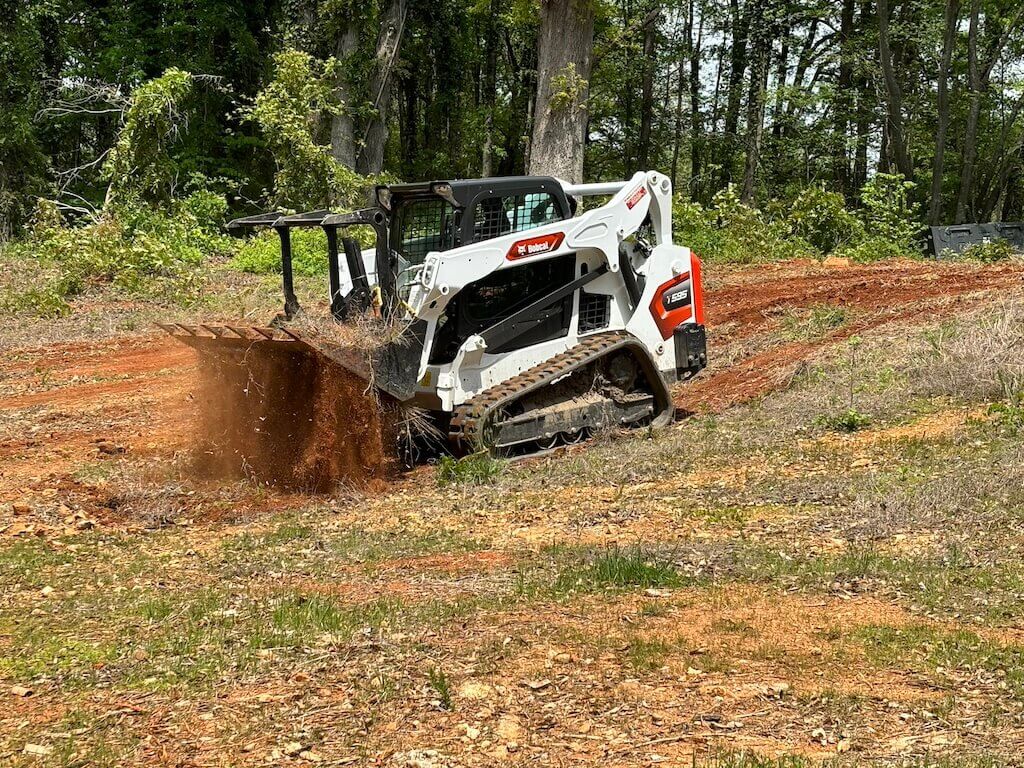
[529, 321]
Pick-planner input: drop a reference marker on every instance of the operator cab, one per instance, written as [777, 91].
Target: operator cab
[440, 215]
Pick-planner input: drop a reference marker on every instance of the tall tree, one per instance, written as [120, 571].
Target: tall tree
[343, 123]
[564, 55]
[740, 30]
[389, 41]
[693, 46]
[763, 25]
[951, 20]
[650, 32]
[979, 71]
[895, 134]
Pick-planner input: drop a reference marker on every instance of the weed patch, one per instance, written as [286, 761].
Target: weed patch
[442, 687]
[814, 323]
[475, 469]
[619, 569]
[850, 420]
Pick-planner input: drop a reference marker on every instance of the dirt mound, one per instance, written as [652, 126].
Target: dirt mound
[289, 418]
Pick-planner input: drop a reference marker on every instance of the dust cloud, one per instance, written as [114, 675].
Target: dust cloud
[289, 417]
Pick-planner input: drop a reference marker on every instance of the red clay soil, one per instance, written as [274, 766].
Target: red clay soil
[754, 298]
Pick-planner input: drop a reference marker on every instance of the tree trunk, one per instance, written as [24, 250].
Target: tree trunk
[409, 127]
[696, 123]
[803, 63]
[844, 99]
[755, 103]
[650, 33]
[677, 136]
[894, 96]
[979, 75]
[973, 116]
[389, 42]
[781, 74]
[952, 18]
[564, 52]
[490, 87]
[522, 90]
[737, 68]
[865, 115]
[343, 129]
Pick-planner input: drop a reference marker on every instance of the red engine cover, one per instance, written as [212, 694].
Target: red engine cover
[677, 300]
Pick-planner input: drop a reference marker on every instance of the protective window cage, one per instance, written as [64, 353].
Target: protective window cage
[594, 311]
[497, 216]
[423, 226]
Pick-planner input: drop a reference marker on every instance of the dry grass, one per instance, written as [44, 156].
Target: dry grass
[978, 358]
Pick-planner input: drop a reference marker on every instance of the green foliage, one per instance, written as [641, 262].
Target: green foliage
[22, 162]
[140, 166]
[289, 111]
[442, 687]
[568, 89]
[475, 469]
[1010, 414]
[138, 251]
[815, 224]
[989, 251]
[261, 254]
[733, 232]
[888, 216]
[850, 420]
[821, 218]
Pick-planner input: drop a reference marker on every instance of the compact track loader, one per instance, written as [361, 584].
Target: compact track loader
[528, 321]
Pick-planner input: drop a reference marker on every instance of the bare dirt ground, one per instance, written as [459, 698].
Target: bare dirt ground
[748, 583]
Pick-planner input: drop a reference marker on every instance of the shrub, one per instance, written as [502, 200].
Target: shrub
[821, 218]
[887, 213]
[733, 232]
[261, 254]
[139, 251]
[989, 251]
[815, 224]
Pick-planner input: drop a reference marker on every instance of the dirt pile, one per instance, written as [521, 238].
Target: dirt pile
[291, 418]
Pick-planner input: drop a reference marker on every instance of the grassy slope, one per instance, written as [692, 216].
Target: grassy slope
[755, 581]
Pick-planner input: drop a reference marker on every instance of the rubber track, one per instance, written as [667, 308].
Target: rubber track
[469, 419]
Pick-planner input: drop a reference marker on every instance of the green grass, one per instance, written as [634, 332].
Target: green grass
[619, 569]
[442, 687]
[951, 583]
[475, 469]
[27, 562]
[648, 654]
[296, 544]
[814, 323]
[850, 420]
